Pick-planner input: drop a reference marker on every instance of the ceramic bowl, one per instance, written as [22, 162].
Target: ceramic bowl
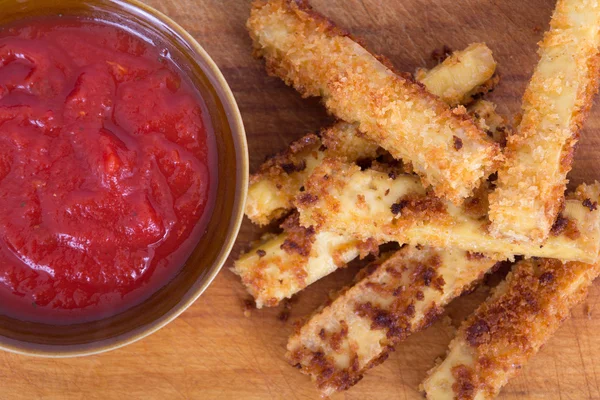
[214, 246]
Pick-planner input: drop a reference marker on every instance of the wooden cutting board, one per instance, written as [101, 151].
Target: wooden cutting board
[213, 351]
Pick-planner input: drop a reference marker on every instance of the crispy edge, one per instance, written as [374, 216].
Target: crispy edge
[509, 328]
[280, 172]
[328, 204]
[396, 297]
[280, 178]
[514, 186]
[284, 264]
[446, 184]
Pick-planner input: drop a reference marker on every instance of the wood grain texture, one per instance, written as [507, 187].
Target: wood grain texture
[212, 351]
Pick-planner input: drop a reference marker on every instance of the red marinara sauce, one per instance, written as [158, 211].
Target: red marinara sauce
[107, 161]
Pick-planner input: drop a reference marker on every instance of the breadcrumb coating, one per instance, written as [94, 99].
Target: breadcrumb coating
[272, 188]
[488, 120]
[345, 141]
[308, 52]
[397, 296]
[334, 200]
[456, 78]
[500, 337]
[284, 264]
[275, 185]
[532, 182]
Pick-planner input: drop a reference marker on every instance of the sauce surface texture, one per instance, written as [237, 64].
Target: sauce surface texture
[106, 162]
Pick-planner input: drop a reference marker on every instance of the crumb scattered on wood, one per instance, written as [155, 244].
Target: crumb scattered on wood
[284, 315]
[247, 306]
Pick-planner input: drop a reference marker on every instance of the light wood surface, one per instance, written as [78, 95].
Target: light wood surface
[213, 351]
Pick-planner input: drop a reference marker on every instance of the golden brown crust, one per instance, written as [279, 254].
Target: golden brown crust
[395, 297]
[330, 204]
[286, 162]
[532, 182]
[284, 264]
[358, 88]
[509, 328]
[299, 239]
[416, 205]
[488, 120]
[273, 187]
[277, 181]
[344, 140]
[462, 75]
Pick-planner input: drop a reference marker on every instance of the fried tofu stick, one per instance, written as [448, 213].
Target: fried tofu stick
[532, 182]
[396, 297]
[273, 188]
[508, 329]
[456, 79]
[309, 53]
[341, 198]
[287, 263]
[284, 264]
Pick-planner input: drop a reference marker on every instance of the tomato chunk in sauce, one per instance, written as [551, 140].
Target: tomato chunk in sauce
[107, 161]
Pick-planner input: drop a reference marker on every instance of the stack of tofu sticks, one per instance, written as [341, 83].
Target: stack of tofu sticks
[427, 146]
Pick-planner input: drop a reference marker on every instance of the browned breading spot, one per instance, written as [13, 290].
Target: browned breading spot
[300, 239]
[463, 387]
[565, 226]
[471, 255]
[392, 299]
[589, 204]
[458, 143]
[412, 205]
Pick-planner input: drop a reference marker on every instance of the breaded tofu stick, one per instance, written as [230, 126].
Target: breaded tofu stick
[532, 182]
[310, 53]
[273, 188]
[396, 297]
[508, 329]
[459, 76]
[284, 264]
[341, 198]
[269, 278]
[282, 272]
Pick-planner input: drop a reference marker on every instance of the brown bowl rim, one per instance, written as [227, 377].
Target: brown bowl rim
[239, 138]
